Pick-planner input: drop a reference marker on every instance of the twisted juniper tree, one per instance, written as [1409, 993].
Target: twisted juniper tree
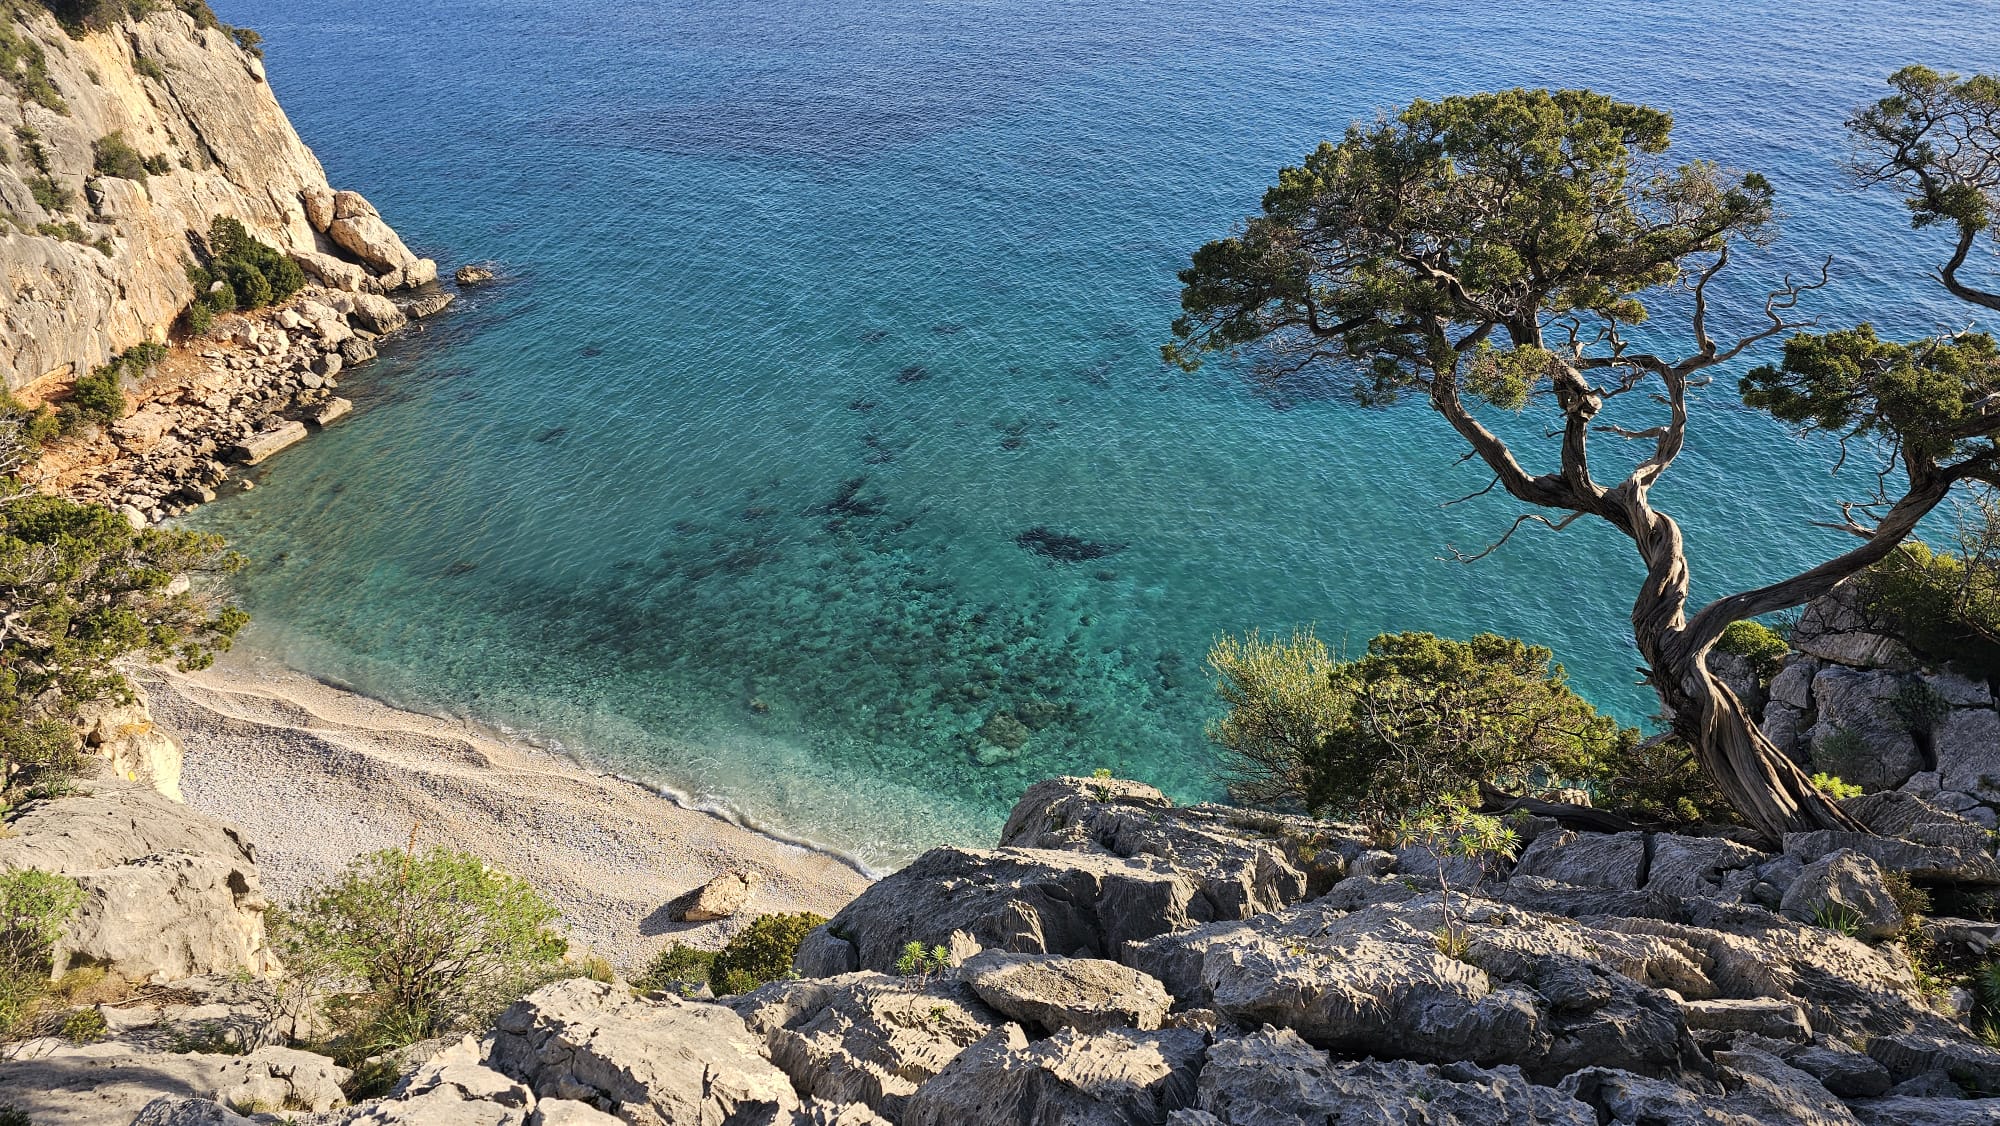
[1500, 250]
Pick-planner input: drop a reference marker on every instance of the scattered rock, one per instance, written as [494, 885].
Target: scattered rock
[470, 275]
[719, 898]
[1844, 889]
[331, 411]
[1050, 993]
[261, 445]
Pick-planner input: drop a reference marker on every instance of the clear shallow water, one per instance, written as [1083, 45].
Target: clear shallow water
[811, 310]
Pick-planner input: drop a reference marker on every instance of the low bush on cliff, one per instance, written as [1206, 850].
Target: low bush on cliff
[1945, 605]
[1760, 646]
[761, 953]
[113, 155]
[100, 396]
[34, 907]
[407, 945]
[79, 589]
[25, 66]
[241, 273]
[1417, 719]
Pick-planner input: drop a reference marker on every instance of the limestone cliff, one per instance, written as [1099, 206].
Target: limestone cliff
[92, 264]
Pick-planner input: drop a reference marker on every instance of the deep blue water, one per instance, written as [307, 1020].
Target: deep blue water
[811, 309]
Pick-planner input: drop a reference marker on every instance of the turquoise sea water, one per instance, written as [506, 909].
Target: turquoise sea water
[812, 310]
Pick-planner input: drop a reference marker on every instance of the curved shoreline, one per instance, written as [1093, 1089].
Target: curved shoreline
[316, 774]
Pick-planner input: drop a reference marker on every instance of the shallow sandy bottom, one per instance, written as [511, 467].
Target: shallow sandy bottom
[316, 775]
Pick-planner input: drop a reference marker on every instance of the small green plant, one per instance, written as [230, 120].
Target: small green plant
[916, 961]
[680, 968]
[11, 1115]
[85, 1026]
[1450, 831]
[1099, 790]
[761, 953]
[49, 194]
[151, 68]
[208, 1037]
[68, 230]
[1837, 917]
[1919, 706]
[34, 908]
[1912, 902]
[248, 39]
[1842, 751]
[1833, 787]
[1760, 646]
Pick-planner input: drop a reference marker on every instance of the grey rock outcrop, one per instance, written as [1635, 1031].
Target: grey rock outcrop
[1109, 1077]
[719, 898]
[169, 892]
[1029, 901]
[1051, 993]
[1847, 887]
[1273, 1076]
[865, 1038]
[650, 1063]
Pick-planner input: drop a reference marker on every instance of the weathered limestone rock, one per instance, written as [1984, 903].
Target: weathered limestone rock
[334, 410]
[1537, 993]
[1833, 628]
[1967, 744]
[358, 228]
[651, 1063]
[138, 751]
[428, 305]
[1272, 1077]
[471, 275]
[865, 1038]
[61, 1084]
[1606, 860]
[719, 898]
[169, 893]
[1030, 901]
[169, 1111]
[1908, 1055]
[1778, 1020]
[1050, 992]
[1241, 863]
[377, 314]
[1859, 704]
[1115, 1076]
[1951, 858]
[1844, 886]
[264, 443]
[1683, 867]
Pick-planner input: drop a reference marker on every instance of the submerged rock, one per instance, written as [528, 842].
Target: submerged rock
[1064, 548]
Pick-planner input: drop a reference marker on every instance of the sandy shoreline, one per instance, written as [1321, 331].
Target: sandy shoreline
[315, 775]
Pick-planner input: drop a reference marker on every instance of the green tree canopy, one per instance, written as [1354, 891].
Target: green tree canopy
[81, 588]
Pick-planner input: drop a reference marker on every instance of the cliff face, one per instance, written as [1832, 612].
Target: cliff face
[195, 105]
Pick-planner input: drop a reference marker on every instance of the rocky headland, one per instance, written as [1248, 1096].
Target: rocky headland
[133, 139]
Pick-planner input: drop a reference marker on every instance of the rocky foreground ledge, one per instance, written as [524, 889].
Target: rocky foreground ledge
[1120, 960]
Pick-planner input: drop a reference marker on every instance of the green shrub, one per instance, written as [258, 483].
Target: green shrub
[100, 396]
[150, 68]
[1919, 706]
[413, 945]
[85, 1026]
[1415, 720]
[251, 275]
[67, 230]
[112, 155]
[248, 39]
[42, 184]
[1451, 831]
[1758, 644]
[761, 953]
[1833, 787]
[1945, 605]
[33, 428]
[679, 968]
[157, 164]
[34, 908]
